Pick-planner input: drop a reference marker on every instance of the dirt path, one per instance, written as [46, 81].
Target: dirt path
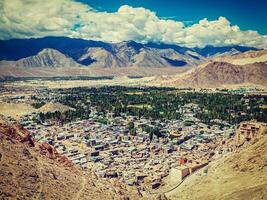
[77, 197]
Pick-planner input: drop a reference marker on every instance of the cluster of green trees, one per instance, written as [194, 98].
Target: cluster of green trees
[232, 108]
[153, 131]
[38, 104]
[63, 117]
[131, 128]
[164, 104]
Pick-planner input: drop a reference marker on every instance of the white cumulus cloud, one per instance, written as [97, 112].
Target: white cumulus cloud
[37, 18]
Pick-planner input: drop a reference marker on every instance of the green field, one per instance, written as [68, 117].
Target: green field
[263, 106]
[145, 106]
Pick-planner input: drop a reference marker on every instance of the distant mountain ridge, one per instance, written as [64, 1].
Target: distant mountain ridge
[219, 74]
[209, 51]
[79, 52]
[45, 58]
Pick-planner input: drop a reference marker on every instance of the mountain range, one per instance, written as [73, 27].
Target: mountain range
[171, 65]
[70, 52]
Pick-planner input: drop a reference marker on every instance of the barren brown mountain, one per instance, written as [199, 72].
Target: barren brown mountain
[249, 54]
[216, 74]
[244, 58]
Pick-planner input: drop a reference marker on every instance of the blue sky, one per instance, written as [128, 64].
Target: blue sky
[247, 14]
[189, 23]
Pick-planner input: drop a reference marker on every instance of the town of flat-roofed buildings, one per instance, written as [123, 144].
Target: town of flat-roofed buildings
[110, 151]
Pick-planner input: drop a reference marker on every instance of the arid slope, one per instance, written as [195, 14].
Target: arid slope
[240, 175]
[219, 74]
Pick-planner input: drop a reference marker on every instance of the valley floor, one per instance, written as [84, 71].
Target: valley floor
[87, 71]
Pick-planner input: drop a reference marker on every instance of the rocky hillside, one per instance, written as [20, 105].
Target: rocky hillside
[250, 54]
[100, 57]
[45, 58]
[30, 170]
[240, 175]
[219, 74]
[53, 107]
[244, 58]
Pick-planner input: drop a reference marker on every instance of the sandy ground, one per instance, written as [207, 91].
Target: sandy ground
[53, 107]
[88, 71]
[169, 182]
[81, 83]
[15, 110]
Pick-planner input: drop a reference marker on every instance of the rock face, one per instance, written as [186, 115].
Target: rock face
[46, 58]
